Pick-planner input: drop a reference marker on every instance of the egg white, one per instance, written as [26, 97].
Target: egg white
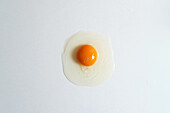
[93, 75]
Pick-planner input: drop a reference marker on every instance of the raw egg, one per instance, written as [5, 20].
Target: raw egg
[88, 59]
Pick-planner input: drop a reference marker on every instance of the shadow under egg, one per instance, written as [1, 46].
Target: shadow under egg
[74, 54]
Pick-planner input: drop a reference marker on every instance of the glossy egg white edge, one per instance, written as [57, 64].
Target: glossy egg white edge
[93, 75]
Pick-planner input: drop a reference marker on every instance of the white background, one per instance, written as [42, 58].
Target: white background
[32, 38]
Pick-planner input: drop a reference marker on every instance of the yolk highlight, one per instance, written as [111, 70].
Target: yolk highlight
[87, 55]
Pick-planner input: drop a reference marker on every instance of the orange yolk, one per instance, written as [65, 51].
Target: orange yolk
[87, 55]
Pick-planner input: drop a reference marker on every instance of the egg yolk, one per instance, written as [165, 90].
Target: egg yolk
[87, 55]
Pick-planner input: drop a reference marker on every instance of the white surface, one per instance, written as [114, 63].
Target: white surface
[32, 37]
